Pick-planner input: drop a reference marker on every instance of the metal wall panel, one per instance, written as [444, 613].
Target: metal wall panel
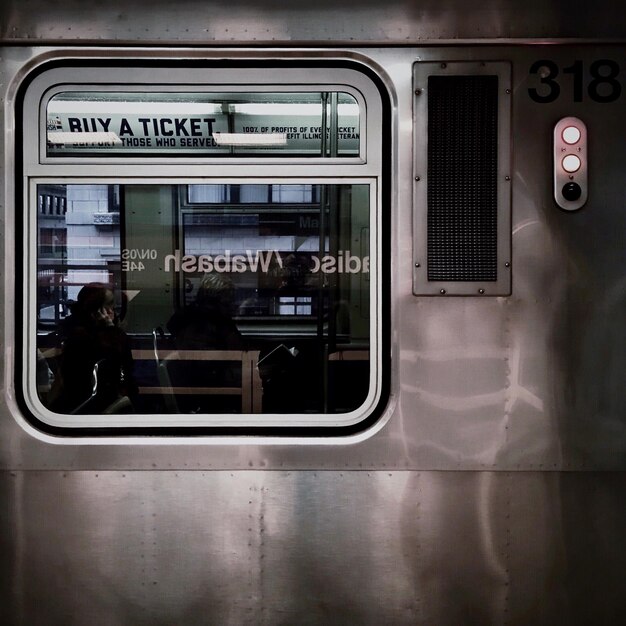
[352, 532]
[284, 22]
[528, 382]
[445, 548]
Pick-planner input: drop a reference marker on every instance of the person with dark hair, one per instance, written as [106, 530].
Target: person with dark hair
[204, 326]
[207, 324]
[92, 336]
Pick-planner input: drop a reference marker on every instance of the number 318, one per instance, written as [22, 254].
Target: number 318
[603, 86]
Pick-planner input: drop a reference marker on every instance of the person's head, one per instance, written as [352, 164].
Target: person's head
[292, 271]
[96, 303]
[216, 290]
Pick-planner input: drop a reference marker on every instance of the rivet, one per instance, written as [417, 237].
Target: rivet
[443, 66]
[481, 291]
[507, 178]
[442, 291]
[507, 264]
[417, 178]
[418, 92]
[508, 91]
[418, 265]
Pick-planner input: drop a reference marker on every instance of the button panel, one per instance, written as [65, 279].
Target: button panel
[570, 163]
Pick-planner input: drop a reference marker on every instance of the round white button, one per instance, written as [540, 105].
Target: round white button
[571, 163]
[571, 135]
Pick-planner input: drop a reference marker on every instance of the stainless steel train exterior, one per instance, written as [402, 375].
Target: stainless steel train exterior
[486, 484]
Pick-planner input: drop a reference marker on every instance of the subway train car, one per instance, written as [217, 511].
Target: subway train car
[313, 314]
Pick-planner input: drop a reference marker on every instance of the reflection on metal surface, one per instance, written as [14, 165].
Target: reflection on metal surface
[534, 357]
[364, 530]
[516, 391]
[513, 393]
[445, 548]
[397, 21]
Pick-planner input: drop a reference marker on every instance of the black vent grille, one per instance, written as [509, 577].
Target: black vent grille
[462, 178]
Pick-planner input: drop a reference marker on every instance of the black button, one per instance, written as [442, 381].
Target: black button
[571, 191]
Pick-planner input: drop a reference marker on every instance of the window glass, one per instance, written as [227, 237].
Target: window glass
[205, 298]
[101, 123]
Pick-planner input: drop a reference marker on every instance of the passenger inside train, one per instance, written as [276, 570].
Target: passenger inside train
[95, 372]
[205, 327]
[208, 323]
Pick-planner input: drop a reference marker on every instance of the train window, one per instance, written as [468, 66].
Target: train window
[267, 288]
[320, 124]
[204, 257]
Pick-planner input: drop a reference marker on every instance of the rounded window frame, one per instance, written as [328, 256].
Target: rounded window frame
[370, 168]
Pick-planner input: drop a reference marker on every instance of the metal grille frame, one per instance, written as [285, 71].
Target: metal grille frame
[462, 182]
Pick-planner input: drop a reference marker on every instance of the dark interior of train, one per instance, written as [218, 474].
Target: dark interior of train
[224, 298]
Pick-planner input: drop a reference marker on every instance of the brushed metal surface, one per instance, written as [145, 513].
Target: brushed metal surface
[281, 21]
[445, 548]
[529, 382]
[170, 532]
